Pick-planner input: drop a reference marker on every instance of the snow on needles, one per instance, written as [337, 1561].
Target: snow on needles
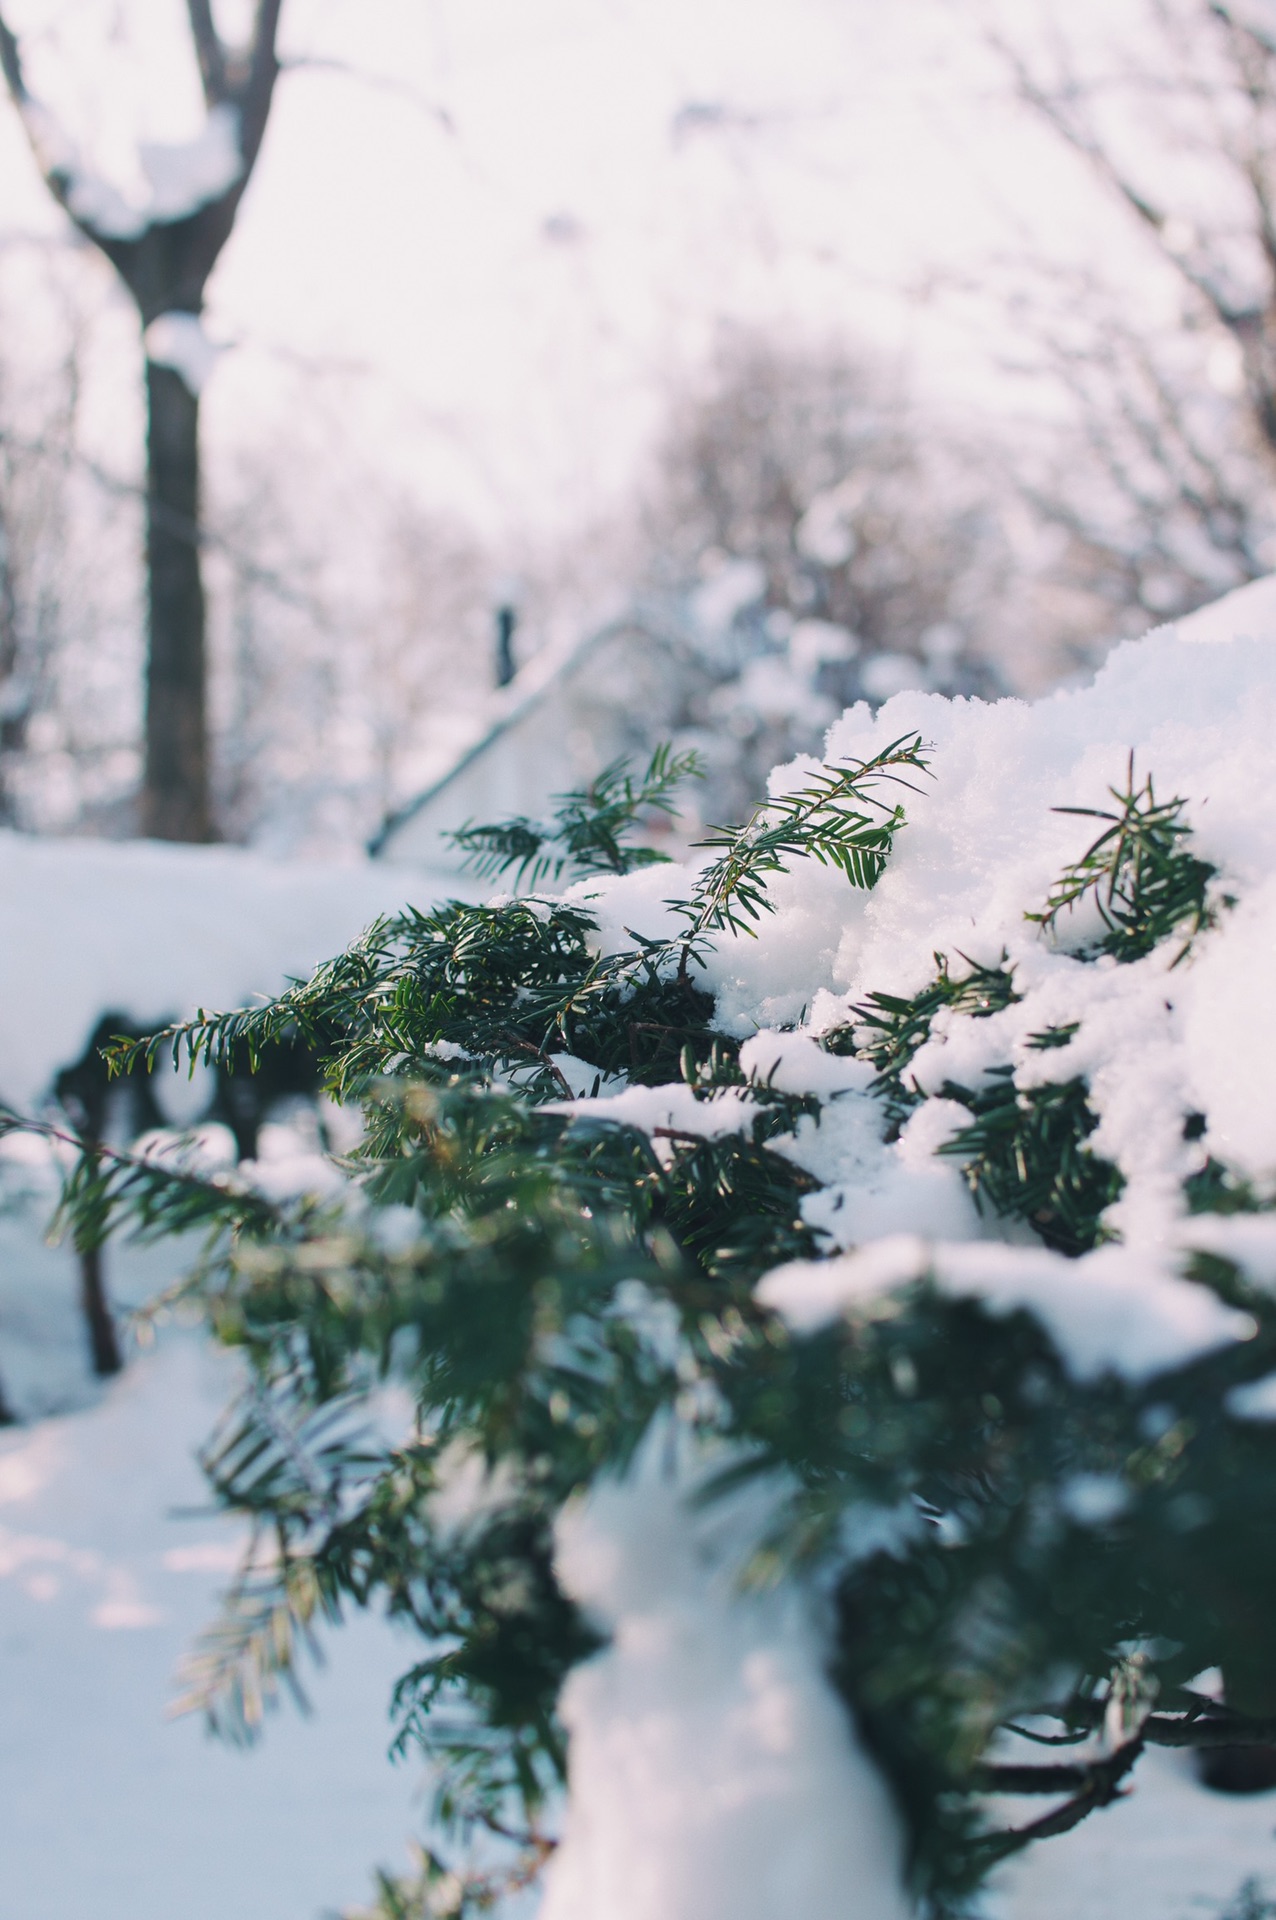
[1160, 1042]
[1177, 1053]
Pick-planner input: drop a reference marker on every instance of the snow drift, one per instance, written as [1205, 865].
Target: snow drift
[152, 931]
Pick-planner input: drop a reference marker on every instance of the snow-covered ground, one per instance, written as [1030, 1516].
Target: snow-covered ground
[151, 931]
[108, 1808]
[1169, 1851]
[107, 1571]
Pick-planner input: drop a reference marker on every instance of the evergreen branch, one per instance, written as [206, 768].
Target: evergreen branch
[496, 848]
[436, 1890]
[1145, 883]
[159, 1196]
[1024, 1155]
[251, 1655]
[889, 1030]
[561, 1282]
[591, 826]
[835, 819]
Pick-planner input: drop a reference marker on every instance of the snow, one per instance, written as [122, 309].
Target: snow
[1157, 1041]
[812, 642]
[673, 1108]
[1167, 1850]
[713, 1774]
[1108, 1312]
[728, 590]
[101, 1515]
[178, 340]
[152, 932]
[713, 1771]
[826, 531]
[671, 1705]
[887, 674]
[981, 849]
[185, 175]
[110, 1564]
[178, 177]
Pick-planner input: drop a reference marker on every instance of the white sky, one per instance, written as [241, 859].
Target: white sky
[496, 300]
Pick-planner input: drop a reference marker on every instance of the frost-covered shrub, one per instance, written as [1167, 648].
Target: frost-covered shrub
[833, 1285]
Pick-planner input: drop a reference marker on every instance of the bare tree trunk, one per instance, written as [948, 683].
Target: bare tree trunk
[165, 265]
[175, 798]
[104, 1342]
[13, 714]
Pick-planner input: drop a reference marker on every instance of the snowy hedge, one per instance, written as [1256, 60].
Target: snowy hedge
[834, 1287]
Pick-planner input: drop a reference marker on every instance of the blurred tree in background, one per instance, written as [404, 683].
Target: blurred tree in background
[164, 254]
[1163, 493]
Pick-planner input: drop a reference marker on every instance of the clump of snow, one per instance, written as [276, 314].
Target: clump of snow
[1255, 1401]
[714, 1775]
[177, 177]
[826, 531]
[667, 1112]
[1109, 1312]
[813, 642]
[186, 175]
[775, 689]
[178, 340]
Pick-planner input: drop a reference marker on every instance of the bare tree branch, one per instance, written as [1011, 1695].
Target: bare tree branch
[54, 178]
[11, 64]
[253, 97]
[1100, 1786]
[1155, 219]
[383, 82]
[209, 52]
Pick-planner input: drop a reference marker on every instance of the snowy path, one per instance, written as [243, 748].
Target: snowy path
[107, 1809]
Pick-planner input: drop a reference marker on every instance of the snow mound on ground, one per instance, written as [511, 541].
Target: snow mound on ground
[714, 1774]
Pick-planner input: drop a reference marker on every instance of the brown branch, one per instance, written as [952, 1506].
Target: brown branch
[1102, 1786]
[998, 1778]
[1218, 1727]
[1208, 1724]
[55, 180]
[1245, 29]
